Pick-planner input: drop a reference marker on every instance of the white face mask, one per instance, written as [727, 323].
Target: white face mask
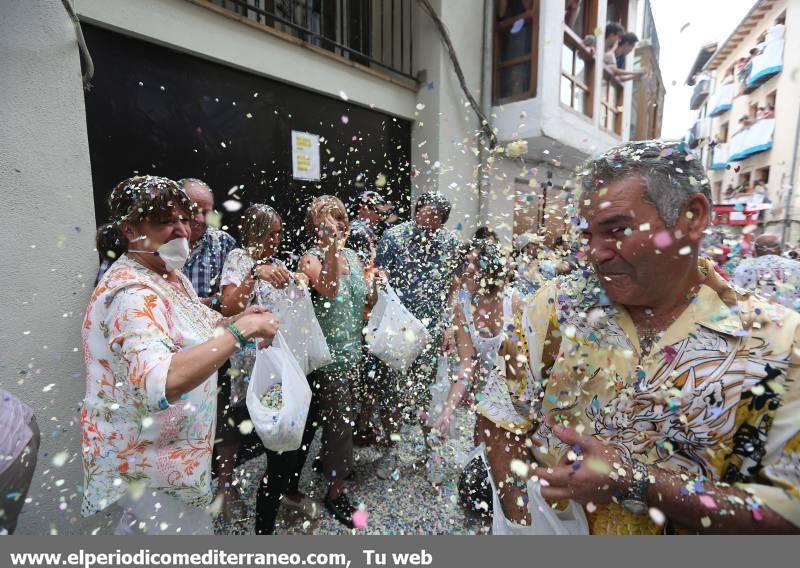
[174, 253]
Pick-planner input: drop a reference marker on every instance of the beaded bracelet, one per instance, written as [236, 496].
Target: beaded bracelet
[237, 333]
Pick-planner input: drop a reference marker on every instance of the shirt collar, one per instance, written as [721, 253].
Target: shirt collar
[715, 307]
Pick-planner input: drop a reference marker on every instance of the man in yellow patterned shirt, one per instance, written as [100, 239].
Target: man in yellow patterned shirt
[668, 400]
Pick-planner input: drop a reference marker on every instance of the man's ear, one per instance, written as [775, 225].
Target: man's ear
[696, 217]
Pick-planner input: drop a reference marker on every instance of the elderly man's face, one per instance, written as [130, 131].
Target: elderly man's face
[202, 197]
[636, 264]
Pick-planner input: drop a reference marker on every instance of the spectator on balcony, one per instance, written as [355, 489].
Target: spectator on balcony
[626, 44]
[613, 32]
[769, 112]
[745, 122]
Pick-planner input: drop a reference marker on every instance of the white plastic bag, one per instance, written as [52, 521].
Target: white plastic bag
[301, 330]
[393, 334]
[544, 519]
[280, 429]
[439, 393]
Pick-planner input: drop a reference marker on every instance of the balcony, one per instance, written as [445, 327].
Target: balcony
[722, 99]
[752, 140]
[574, 112]
[720, 156]
[611, 103]
[700, 93]
[769, 61]
[577, 74]
[375, 34]
[699, 131]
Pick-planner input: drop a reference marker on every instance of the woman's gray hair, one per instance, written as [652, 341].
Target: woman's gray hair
[670, 172]
[255, 228]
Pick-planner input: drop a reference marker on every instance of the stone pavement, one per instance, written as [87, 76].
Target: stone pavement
[402, 506]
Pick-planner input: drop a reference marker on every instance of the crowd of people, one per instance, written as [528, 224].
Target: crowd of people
[615, 363]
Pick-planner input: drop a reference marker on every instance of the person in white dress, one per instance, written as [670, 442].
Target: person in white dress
[489, 367]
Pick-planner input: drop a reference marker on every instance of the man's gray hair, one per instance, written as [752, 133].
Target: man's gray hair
[671, 174]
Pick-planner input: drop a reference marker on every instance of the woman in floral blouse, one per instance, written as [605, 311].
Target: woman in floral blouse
[152, 352]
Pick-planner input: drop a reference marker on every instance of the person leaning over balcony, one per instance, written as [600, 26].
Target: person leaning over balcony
[152, 351]
[612, 60]
[613, 32]
[667, 403]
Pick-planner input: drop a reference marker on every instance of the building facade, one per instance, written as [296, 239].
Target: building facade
[748, 121]
[553, 93]
[215, 88]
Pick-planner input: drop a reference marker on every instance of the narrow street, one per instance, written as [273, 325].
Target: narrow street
[404, 506]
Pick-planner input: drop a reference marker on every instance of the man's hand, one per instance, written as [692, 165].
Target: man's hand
[590, 471]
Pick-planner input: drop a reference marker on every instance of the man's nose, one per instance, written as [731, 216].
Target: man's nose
[601, 250]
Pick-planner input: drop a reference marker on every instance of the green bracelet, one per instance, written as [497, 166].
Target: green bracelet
[237, 333]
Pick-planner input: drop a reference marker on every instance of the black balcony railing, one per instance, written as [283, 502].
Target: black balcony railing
[374, 33]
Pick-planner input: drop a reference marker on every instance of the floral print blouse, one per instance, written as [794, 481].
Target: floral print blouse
[131, 436]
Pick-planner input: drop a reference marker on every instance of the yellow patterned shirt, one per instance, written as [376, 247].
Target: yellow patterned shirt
[717, 397]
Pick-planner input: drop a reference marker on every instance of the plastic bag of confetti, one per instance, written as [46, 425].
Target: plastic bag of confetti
[393, 334]
[440, 390]
[279, 427]
[301, 330]
[544, 519]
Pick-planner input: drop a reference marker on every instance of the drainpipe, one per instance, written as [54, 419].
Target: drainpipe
[486, 107]
[787, 221]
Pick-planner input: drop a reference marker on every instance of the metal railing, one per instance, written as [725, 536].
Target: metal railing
[374, 33]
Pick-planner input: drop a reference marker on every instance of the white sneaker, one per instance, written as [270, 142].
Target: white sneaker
[304, 506]
[388, 467]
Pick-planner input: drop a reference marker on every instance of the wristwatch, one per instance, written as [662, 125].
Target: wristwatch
[254, 272]
[635, 500]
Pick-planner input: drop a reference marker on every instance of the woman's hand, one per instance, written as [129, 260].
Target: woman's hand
[302, 280]
[442, 424]
[262, 325]
[275, 275]
[328, 234]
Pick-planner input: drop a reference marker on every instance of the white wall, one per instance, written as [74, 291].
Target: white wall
[200, 31]
[47, 231]
[445, 129]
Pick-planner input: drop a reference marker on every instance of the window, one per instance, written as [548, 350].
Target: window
[743, 183]
[771, 100]
[723, 132]
[781, 19]
[617, 11]
[584, 21]
[611, 103]
[577, 74]
[761, 174]
[516, 42]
